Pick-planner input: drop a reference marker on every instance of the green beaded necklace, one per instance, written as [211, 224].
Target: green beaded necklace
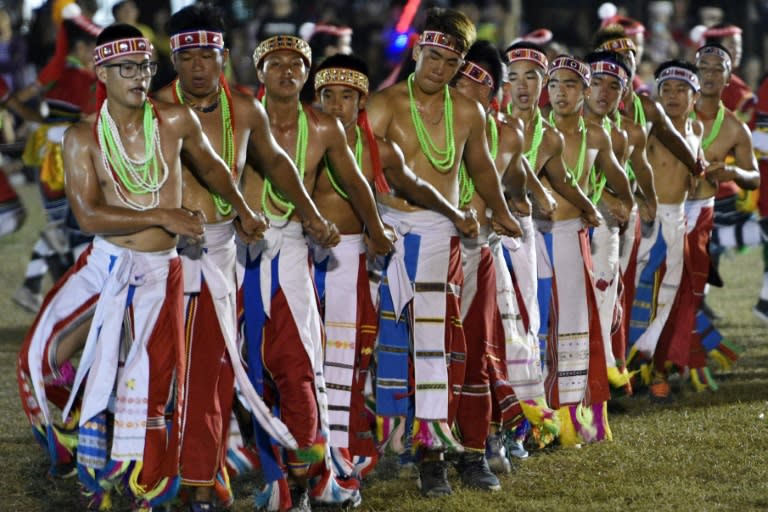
[716, 125]
[441, 160]
[358, 158]
[300, 159]
[538, 132]
[136, 177]
[639, 111]
[466, 185]
[575, 173]
[227, 143]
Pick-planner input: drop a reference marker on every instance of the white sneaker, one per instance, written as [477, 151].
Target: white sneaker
[27, 300]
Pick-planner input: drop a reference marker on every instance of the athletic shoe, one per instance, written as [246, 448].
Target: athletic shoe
[761, 310]
[474, 471]
[27, 299]
[496, 454]
[517, 450]
[201, 506]
[433, 479]
[660, 390]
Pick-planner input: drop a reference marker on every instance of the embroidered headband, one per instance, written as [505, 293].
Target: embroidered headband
[120, 48]
[476, 74]
[730, 30]
[620, 44]
[441, 40]
[197, 39]
[341, 76]
[282, 42]
[571, 64]
[604, 67]
[678, 73]
[517, 54]
[714, 50]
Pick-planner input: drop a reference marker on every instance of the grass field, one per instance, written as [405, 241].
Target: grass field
[705, 451]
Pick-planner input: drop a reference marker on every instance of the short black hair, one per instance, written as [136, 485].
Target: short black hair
[196, 17]
[119, 5]
[612, 57]
[117, 31]
[677, 63]
[486, 55]
[76, 34]
[344, 61]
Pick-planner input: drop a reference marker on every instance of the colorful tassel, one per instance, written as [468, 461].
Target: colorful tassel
[542, 418]
[315, 452]
[618, 378]
[434, 435]
[390, 431]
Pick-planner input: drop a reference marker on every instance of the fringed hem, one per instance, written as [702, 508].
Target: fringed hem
[543, 420]
[702, 380]
[584, 424]
[273, 497]
[390, 431]
[434, 435]
[726, 354]
[618, 378]
[97, 485]
[330, 489]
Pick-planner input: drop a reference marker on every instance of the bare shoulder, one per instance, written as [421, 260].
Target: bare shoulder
[510, 134]
[732, 123]
[242, 101]
[464, 105]
[698, 127]
[635, 132]
[552, 137]
[322, 121]
[79, 136]
[175, 117]
[389, 152]
[596, 135]
[165, 94]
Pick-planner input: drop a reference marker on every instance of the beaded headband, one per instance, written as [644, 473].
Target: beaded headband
[604, 67]
[516, 54]
[120, 48]
[197, 39]
[476, 74]
[620, 44]
[714, 50]
[282, 42]
[678, 73]
[341, 76]
[571, 64]
[441, 40]
[731, 30]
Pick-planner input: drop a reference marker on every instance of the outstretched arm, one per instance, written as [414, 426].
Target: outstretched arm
[614, 175]
[644, 176]
[210, 168]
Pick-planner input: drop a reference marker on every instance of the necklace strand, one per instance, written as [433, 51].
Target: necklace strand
[227, 143]
[133, 176]
[575, 173]
[358, 158]
[466, 185]
[716, 125]
[441, 159]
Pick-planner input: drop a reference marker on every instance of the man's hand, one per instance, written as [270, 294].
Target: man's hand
[466, 223]
[185, 223]
[322, 232]
[251, 226]
[646, 209]
[382, 244]
[504, 224]
[546, 203]
[718, 171]
[591, 217]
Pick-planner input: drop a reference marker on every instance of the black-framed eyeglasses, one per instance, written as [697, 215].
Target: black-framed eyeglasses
[129, 69]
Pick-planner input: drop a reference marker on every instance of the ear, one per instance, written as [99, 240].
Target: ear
[101, 74]
[362, 101]
[260, 74]
[173, 61]
[416, 52]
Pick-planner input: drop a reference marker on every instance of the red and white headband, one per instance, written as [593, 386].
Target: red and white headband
[197, 39]
[678, 73]
[631, 27]
[121, 48]
[535, 56]
[605, 67]
[477, 74]
[441, 40]
[730, 30]
[620, 44]
[571, 64]
[714, 50]
[334, 30]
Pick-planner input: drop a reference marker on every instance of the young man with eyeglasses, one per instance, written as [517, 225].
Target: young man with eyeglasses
[124, 182]
[237, 128]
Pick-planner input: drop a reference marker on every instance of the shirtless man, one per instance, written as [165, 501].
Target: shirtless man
[640, 178]
[341, 85]
[124, 181]
[279, 294]
[234, 123]
[577, 373]
[678, 88]
[436, 128]
[724, 136]
[503, 369]
[609, 80]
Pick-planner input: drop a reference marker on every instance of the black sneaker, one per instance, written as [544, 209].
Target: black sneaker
[433, 479]
[761, 310]
[300, 500]
[475, 472]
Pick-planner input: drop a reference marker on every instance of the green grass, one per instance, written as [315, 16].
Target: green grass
[705, 451]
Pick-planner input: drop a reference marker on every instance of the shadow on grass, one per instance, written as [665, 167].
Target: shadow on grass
[11, 338]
